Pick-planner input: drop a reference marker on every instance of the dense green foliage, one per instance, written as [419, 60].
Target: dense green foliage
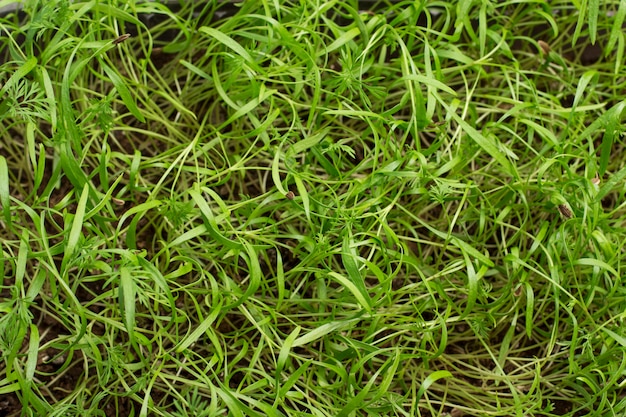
[310, 208]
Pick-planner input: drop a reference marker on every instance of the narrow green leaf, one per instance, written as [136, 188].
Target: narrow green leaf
[487, 144]
[32, 356]
[7, 389]
[20, 267]
[20, 73]
[36, 285]
[482, 28]
[199, 72]
[619, 52]
[202, 328]
[286, 349]
[613, 180]
[276, 170]
[601, 121]
[431, 82]
[307, 142]
[211, 223]
[594, 9]
[619, 339]
[291, 381]
[343, 39]
[461, 244]
[607, 145]
[323, 331]
[431, 379]
[617, 28]
[543, 132]
[597, 263]
[131, 231]
[254, 277]
[246, 108]
[50, 96]
[363, 300]
[77, 225]
[126, 297]
[325, 163]
[5, 196]
[348, 258]
[357, 401]
[231, 44]
[530, 309]
[123, 91]
[304, 195]
[582, 87]
[582, 12]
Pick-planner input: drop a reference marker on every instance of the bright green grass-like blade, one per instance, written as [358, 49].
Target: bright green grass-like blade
[246, 108]
[530, 309]
[322, 331]
[473, 280]
[36, 285]
[431, 379]
[597, 263]
[619, 54]
[431, 82]
[362, 300]
[155, 274]
[9, 388]
[343, 39]
[5, 196]
[617, 28]
[254, 269]
[390, 368]
[325, 163]
[602, 121]
[357, 401]
[307, 142]
[543, 132]
[418, 104]
[203, 327]
[234, 404]
[582, 12]
[140, 210]
[123, 91]
[29, 397]
[304, 195]
[582, 87]
[20, 267]
[293, 379]
[117, 12]
[285, 350]
[21, 72]
[348, 258]
[32, 356]
[276, 170]
[231, 44]
[462, 13]
[126, 297]
[76, 229]
[487, 143]
[611, 183]
[619, 339]
[198, 71]
[594, 10]
[461, 244]
[482, 28]
[210, 221]
[612, 128]
[50, 96]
